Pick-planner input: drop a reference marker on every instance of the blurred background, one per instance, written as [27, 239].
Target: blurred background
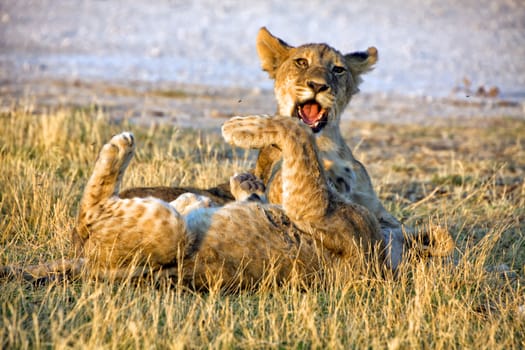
[426, 47]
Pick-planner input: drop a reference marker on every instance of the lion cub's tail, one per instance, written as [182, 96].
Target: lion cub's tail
[62, 268]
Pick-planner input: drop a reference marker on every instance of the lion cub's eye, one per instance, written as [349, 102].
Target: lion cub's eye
[338, 70]
[301, 63]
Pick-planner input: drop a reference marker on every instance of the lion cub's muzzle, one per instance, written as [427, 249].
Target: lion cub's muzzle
[312, 114]
[314, 99]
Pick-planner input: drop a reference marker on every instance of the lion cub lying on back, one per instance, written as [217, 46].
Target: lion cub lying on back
[236, 245]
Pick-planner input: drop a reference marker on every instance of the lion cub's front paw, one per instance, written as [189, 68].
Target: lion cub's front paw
[246, 132]
[246, 186]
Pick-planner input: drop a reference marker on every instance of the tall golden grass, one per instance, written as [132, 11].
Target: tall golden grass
[469, 179]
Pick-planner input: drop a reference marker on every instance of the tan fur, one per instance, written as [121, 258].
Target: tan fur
[340, 75]
[235, 245]
[335, 77]
[295, 84]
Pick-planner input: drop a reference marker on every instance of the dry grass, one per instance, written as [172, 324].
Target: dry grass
[469, 179]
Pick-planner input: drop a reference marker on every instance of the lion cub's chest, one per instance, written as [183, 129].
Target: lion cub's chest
[340, 173]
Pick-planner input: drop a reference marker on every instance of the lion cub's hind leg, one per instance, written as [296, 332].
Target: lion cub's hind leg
[118, 233]
[110, 166]
[103, 184]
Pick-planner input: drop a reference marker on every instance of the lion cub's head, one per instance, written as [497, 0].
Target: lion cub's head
[313, 82]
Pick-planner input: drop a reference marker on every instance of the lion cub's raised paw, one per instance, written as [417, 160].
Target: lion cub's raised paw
[116, 154]
[247, 132]
[123, 143]
[125, 140]
[247, 187]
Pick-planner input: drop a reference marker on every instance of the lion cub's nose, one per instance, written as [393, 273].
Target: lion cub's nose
[317, 87]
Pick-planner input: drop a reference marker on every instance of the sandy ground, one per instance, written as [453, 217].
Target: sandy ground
[208, 107]
[194, 63]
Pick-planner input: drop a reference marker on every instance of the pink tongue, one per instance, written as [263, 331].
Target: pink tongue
[310, 112]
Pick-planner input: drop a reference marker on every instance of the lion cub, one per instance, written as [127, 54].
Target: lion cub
[236, 245]
[313, 84]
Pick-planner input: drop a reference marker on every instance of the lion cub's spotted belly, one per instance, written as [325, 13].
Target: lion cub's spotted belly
[263, 225]
[266, 241]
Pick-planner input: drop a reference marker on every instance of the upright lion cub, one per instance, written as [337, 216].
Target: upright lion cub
[314, 83]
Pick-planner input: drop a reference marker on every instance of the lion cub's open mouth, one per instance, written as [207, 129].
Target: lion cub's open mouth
[312, 114]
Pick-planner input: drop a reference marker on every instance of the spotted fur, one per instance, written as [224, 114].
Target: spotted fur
[235, 245]
[318, 73]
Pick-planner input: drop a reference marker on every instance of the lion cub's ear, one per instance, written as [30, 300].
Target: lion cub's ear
[362, 61]
[272, 51]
